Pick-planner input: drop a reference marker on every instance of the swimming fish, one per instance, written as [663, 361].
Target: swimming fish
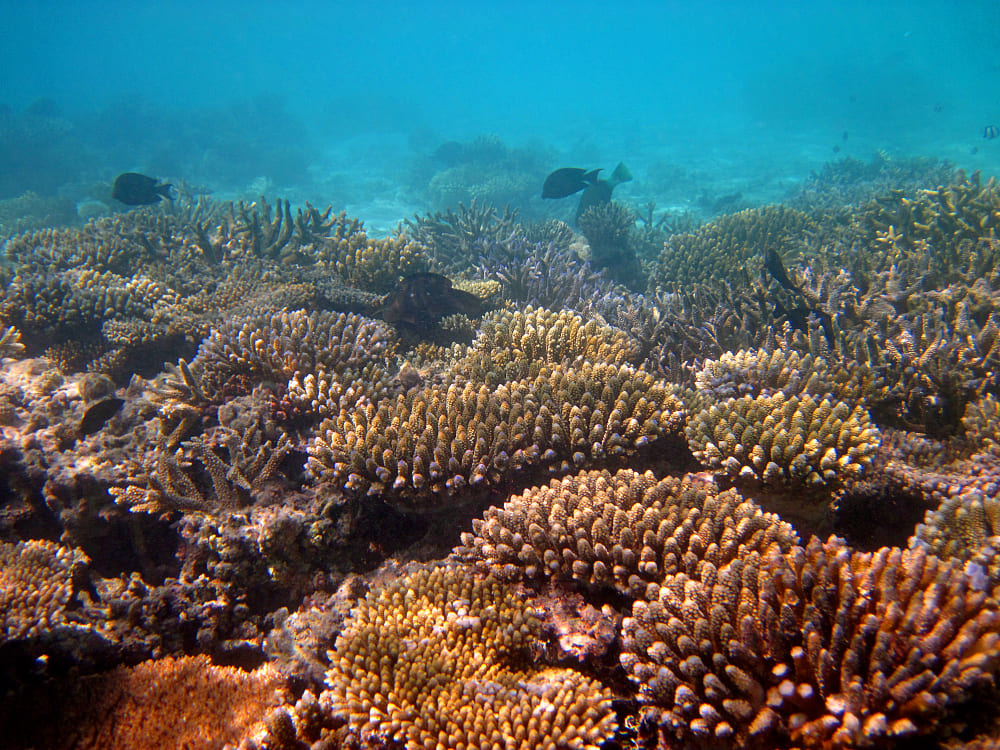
[772, 262]
[568, 180]
[134, 189]
[97, 414]
[990, 132]
[598, 193]
[422, 299]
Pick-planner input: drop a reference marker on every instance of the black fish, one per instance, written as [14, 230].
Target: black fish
[421, 300]
[772, 262]
[97, 414]
[990, 132]
[598, 193]
[134, 189]
[568, 180]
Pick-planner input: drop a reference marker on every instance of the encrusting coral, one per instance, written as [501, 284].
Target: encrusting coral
[625, 530]
[820, 647]
[442, 658]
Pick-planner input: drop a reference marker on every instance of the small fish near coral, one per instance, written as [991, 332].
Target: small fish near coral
[134, 189]
[596, 192]
[422, 299]
[990, 132]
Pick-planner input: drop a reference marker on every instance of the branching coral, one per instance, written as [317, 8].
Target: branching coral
[731, 248]
[453, 237]
[781, 419]
[515, 345]
[779, 440]
[36, 584]
[441, 658]
[439, 440]
[816, 648]
[186, 702]
[624, 531]
[275, 347]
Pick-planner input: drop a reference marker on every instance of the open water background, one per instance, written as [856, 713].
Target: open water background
[340, 103]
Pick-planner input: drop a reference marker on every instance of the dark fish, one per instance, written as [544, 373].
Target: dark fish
[421, 300]
[598, 193]
[990, 132]
[772, 262]
[568, 180]
[98, 414]
[134, 189]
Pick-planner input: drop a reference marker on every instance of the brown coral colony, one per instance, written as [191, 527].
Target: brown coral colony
[643, 516]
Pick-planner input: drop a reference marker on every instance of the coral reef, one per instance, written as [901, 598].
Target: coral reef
[815, 648]
[433, 443]
[186, 702]
[414, 656]
[624, 531]
[243, 464]
[36, 585]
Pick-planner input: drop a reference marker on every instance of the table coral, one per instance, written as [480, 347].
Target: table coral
[436, 441]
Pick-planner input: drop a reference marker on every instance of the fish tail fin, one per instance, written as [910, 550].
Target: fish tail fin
[621, 174]
[164, 190]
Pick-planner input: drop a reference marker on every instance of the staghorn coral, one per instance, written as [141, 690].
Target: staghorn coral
[439, 440]
[36, 585]
[815, 648]
[781, 440]
[512, 345]
[982, 423]
[548, 275]
[441, 658]
[624, 531]
[452, 237]
[185, 702]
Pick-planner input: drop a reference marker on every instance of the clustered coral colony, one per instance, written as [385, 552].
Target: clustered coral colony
[753, 505]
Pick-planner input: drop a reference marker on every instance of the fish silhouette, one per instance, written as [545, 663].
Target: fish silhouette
[598, 193]
[422, 299]
[564, 182]
[134, 189]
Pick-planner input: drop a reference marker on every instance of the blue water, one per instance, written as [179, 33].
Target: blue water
[339, 103]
